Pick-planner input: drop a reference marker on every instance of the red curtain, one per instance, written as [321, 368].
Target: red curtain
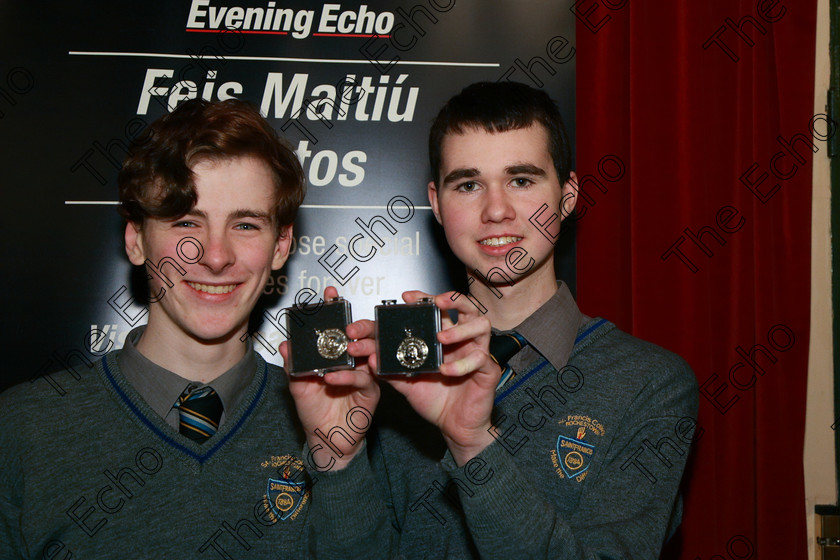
[692, 250]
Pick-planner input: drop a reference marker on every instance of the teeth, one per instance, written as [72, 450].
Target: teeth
[498, 241]
[212, 289]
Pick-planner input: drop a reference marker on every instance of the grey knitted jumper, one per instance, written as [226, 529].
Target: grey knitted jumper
[586, 464]
[95, 473]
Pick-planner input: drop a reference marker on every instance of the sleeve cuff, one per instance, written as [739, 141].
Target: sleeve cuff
[348, 494]
[485, 485]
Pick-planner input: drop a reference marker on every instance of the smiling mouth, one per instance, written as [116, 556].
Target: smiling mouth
[210, 289]
[499, 241]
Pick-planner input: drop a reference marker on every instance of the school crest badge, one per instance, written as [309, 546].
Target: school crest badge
[575, 446]
[286, 495]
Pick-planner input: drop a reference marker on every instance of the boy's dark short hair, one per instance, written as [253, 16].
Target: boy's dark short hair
[499, 107]
[156, 179]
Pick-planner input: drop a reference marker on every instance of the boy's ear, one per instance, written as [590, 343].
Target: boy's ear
[433, 200]
[570, 196]
[134, 244]
[282, 247]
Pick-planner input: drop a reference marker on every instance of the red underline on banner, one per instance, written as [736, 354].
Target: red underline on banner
[236, 31]
[311, 206]
[350, 35]
[254, 32]
[286, 59]
[339, 207]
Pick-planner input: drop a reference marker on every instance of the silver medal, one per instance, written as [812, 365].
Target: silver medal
[412, 351]
[331, 343]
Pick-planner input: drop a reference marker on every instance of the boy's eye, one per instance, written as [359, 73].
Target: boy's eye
[522, 182]
[184, 223]
[247, 227]
[467, 187]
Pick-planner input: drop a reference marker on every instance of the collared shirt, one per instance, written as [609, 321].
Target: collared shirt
[160, 388]
[550, 331]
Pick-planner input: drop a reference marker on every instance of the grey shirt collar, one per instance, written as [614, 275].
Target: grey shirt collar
[550, 331]
[160, 388]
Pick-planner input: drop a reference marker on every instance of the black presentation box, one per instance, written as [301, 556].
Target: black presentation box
[406, 337]
[317, 338]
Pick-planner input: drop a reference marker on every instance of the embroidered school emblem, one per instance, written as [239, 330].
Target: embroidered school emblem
[575, 446]
[286, 495]
[574, 455]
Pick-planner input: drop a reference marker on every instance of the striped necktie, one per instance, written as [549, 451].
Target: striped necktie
[502, 348]
[200, 411]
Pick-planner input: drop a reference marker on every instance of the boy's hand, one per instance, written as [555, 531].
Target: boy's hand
[458, 399]
[325, 402]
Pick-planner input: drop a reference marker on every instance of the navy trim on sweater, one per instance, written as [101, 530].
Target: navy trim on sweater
[519, 380]
[168, 439]
[588, 331]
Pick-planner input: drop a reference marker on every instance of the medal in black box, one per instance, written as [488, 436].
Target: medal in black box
[406, 337]
[317, 338]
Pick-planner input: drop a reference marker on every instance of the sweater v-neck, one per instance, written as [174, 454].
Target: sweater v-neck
[587, 333]
[141, 412]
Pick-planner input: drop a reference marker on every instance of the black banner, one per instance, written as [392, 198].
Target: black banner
[353, 87]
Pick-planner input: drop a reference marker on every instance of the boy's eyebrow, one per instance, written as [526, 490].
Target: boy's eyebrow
[471, 172]
[246, 213]
[461, 173]
[194, 213]
[525, 169]
[235, 215]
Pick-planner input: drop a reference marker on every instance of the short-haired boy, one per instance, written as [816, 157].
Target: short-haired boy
[574, 446]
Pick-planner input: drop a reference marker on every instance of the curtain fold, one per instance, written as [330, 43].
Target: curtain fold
[703, 245]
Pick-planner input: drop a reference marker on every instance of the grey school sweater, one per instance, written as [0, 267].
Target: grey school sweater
[586, 464]
[95, 473]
